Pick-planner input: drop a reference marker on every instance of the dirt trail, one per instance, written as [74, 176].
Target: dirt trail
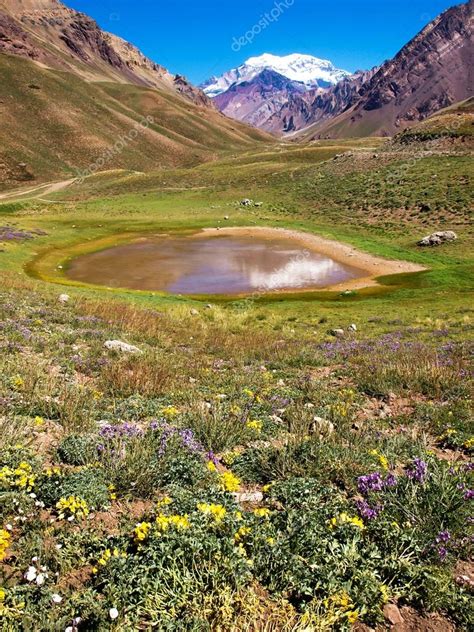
[42, 189]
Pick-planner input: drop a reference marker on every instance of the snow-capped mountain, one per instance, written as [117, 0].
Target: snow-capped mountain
[305, 69]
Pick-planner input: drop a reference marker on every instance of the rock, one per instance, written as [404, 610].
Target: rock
[337, 333]
[246, 202]
[324, 426]
[208, 306]
[194, 312]
[64, 298]
[258, 204]
[392, 614]
[352, 327]
[438, 238]
[226, 217]
[119, 345]
[248, 497]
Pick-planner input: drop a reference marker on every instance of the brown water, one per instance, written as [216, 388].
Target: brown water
[204, 264]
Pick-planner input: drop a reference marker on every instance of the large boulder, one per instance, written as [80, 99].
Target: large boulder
[438, 238]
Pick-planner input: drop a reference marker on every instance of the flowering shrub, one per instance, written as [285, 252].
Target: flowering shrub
[20, 477]
[87, 484]
[72, 508]
[229, 482]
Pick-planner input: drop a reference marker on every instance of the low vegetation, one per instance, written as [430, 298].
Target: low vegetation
[245, 470]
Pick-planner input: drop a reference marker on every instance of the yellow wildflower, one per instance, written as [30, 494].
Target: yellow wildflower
[5, 539]
[106, 556]
[169, 412]
[261, 512]
[211, 466]
[53, 471]
[17, 382]
[38, 421]
[164, 502]
[469, 443]
[21, 477]
[385, 592]
[73, 507]
[229, 457]
[165, 522]
[141, 532]
[352, 616]
[344, 518]
[218, 512]
[229, 482]
[266, 488]
[242, 533]
[255, 425]
[247, 392]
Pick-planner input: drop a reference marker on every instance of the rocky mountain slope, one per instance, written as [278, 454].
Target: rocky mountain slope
[433, 71]
[256, 101]
[49, 32]
[70, 93]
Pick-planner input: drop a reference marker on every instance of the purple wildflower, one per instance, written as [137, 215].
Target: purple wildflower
[443, 536]
[366, 511]
[125, 430]
[417, 470]
[442, 552]
[469, 494]
[374, 482]
[370, 483]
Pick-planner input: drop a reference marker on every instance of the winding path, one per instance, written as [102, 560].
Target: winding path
[42, 189]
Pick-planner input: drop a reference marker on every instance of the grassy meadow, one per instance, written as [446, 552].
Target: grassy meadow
[245, 469]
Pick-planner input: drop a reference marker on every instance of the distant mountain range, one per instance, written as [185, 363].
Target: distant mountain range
[309, 71]
[288, 96]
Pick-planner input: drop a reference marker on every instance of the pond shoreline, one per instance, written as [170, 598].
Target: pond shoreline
[375, 266]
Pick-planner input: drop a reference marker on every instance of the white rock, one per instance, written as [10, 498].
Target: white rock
[194, 312]
[64, 298]
[323, 425]
[119, 345]
[438, 238]
[338, 333]
[248, 497]
[352, 327]
[56, 598]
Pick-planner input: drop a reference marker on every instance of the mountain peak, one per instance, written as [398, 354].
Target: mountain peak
[310, 71]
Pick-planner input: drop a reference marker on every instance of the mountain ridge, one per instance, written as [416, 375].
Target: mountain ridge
[71, 93]
[432, 71]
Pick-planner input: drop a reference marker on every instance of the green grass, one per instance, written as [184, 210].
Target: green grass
[65, 124]
[155, 531]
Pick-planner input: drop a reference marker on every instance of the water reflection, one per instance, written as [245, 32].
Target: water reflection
[202, 264]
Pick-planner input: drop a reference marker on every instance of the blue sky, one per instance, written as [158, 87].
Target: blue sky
[196, 38]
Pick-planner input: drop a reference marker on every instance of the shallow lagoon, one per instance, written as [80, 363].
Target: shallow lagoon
[212, 264]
